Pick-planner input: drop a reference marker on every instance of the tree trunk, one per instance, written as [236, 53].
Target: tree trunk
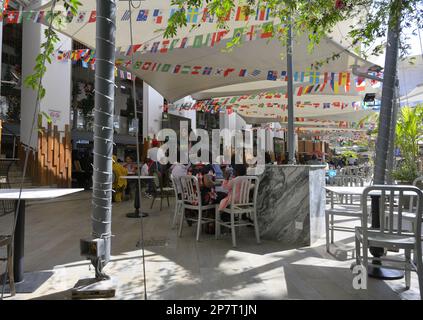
[389, 79]
[103, 129]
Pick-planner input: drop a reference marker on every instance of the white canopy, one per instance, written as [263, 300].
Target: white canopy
[259, 54]
[414, 97]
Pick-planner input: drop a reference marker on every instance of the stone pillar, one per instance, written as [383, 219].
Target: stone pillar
[57, 82]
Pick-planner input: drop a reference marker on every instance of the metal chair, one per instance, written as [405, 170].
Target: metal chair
[241, 203]
[178, 199]
[390, 234]
[7, 208]
[161, 189]
[191, 199]
[347, 208]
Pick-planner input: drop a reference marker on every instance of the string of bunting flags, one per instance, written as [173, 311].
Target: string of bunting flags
[270, 109]
[147, 16]
[313, 82]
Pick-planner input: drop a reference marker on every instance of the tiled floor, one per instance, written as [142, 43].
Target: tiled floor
[181, 268]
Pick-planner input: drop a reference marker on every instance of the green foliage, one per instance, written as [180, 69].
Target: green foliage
[317, 18]
[349, 154]
[409, 131]
[406, 172]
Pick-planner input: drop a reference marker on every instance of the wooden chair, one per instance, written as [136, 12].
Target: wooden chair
[241, 203]
[191, 197]
[7, 209]
[390, 234]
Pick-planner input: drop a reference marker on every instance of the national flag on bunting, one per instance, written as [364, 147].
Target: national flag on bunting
[251, 34]
[342, 78]
[314, 77]
[93, 17]
[242, 13]
[142, 15]
[158, 16]
[126, 16]
[360, 84]
[132, 49]
[332, 80]
[219, 72]
[348, 84]
[13, 17]
[207, 16]
[336, 87]
[40, 17]
[266, 30]
[192, 15]
[262, 14]
[238, 32]
[300, 91]
[255, 73]
[81, 16]
[243, 73]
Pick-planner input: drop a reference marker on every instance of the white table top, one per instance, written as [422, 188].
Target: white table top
[358, 191]
[346, 190]
[36, 193]
[137, 177]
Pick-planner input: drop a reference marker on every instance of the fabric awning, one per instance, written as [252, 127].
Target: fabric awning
[259, 54]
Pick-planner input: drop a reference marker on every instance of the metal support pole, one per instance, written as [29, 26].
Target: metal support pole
[291, 128]
[103, 129]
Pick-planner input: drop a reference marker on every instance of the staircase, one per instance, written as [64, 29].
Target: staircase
[11, 174]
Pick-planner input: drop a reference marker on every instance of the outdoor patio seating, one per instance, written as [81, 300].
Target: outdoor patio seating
[176, 183]
[391, 235]
[162, 190]
[243, 202]
[191, 197]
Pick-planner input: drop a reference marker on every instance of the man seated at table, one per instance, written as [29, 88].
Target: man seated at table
[132, 170]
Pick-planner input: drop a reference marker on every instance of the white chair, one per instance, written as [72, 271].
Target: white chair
[241, 203]
[191, 199]
[346, 206]
[390, 235]
[178, 199]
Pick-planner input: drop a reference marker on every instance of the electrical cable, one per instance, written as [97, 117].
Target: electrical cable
[134, 92]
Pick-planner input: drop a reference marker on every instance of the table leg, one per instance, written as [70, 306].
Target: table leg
[137, 205]
[18, 245]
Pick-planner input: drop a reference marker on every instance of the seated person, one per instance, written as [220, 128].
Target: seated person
[239, 170]
[130, 166]
[218, 171]
[313, 161]
[119, 184]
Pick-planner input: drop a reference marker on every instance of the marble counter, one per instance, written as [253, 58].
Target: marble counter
[291, 204]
